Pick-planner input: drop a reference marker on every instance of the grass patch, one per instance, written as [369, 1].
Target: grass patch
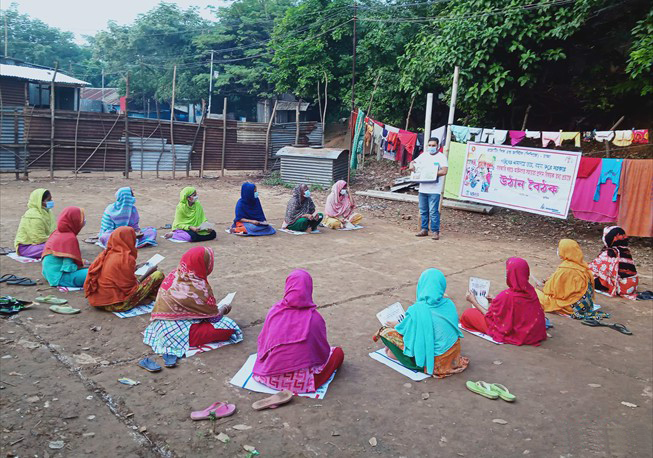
[275, 180]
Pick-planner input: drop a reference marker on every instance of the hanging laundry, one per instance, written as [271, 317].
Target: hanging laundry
[516, 136]
[640, 136]
[603, 135]
[569, 136]
[582, 201]
[534, 134]
[610, 169]
[476, 133]
[359, 134]
[636, 195]
[588, 136]
[408, 141]
[369, 130]
[587, 166]
[496, 136]
[461, 133]
[555, 137]
[623, 137]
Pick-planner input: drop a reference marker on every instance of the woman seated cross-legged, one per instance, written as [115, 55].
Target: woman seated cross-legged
[250, 219]
[189, 217]
[614, 269]
[339, 209]
[36, 225]
[62, 258]
[293, 350]
[111, 282]
[300, 213]
[428, 339]
[121, 213]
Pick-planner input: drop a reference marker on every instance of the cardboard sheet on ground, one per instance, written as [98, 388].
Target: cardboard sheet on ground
[136, 311]
[244, 379]
[481, 335]
[66, 289]
[380, 356]
[350, 227]
[22, 259]
[176, 241]
[288, 231]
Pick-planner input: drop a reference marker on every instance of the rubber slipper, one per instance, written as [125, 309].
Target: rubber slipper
[481, 388]
[217, 410]
[170, 361]
[591, 322]
[621, 328]
[8, 277]
[5, 251]
[645, 296]
[149, 365]
[64, 309]
[22, 281]
[273, 401]
[50, 299]
[503, 392]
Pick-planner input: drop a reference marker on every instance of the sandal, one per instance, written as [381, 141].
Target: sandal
[503, 392]
[10, 305]
[481, 388]
[149, 365]
[645, 296]
[22, 281]
[64, 309]
[5, 251]
[50, 299]
[273, 401]
[170, 361]
[8, 277]
[616, 326]
[216, 410]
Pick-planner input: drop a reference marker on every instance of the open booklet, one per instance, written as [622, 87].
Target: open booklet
[206, 226]
[392, 313]
[425, 174]
[149, 267]
[480, 288]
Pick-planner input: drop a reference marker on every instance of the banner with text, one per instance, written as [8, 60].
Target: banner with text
[528, 179]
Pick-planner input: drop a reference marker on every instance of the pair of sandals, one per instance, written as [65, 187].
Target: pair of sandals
[12, 279]
[491, 390]
[616, 326]
[150, 365]
[645, 296]
[222, 409]
[10, 305]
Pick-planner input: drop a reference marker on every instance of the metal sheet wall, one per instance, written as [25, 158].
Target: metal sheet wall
[12, 150]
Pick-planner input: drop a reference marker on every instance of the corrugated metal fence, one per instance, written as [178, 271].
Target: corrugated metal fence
[88, 141]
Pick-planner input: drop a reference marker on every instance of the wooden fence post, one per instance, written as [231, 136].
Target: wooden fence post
[267, 137]
[224, 132]
[172, 124]
[127, 127]
[54, 75]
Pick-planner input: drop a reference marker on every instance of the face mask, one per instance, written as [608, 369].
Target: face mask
[194, 199]
[343, 192]
[255, 194]
[49, 204]
[307, 193]
[432, 149]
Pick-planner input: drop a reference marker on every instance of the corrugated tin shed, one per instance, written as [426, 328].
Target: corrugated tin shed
[108, 95]
[42, 75]
[313, 165]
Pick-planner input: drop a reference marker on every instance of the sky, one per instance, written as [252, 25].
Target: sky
[86, 17]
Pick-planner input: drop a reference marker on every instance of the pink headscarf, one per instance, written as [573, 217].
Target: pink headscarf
[294, 334]
[515, 316]
[338, 205]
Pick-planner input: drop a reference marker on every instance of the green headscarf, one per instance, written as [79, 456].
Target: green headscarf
[430, 328]
[186, 215]
[37, 223]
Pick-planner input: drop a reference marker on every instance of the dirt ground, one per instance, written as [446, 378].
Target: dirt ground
[58, 374]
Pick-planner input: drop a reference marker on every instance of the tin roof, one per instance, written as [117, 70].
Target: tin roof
[310, 152]
[111, 95]
[42, 75]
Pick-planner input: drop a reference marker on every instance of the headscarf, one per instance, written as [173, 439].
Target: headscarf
[37, 223]
[185, 293]
[294, 333]
[430, 328]
[110, 278]
[515, 316]
[338, 205]
[615, 245]
[298, 205]
[188, 215]
[248, 206]
[120, 212]
[570, 280]
[63, 242]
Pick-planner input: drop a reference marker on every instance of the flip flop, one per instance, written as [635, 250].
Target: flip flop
[274, 401]
[170, 361]
[5, 251]
[217, 410]
[481, 388]
[149, 365]
[621, 328]
[8, 277]
[64, 309]
[616, 326]
[22, 281]
[50, 299]
[645, 296]
[503, 392]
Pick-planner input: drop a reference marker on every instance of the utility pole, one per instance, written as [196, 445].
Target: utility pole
[452, 113]
[210, 83]
[103, 88]
[172, 124]
[6, 35]
[127, 126]
[353, 93]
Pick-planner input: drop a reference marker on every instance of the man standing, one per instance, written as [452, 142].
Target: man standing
[430, 192]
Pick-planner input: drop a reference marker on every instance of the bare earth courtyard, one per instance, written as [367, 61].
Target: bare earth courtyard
[59, 374]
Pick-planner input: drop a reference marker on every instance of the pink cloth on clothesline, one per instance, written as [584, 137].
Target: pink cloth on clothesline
[516, 136]
[583, 205]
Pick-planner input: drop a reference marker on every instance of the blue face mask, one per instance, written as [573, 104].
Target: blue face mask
[49, 204]
[307, 193]
[255, 194]
[432, 149]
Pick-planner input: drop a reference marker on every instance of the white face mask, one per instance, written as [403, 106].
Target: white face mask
[194, 199]
[558, 252]
[432, 149]
[343, 192]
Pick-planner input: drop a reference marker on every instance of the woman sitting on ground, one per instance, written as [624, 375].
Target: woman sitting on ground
[121, 213]
[300, 213]
[36, 225]
[428, 339]
[111, 282]
[185, 313]
[250, 219]
[614, 269]
[189, 217]
[570, 290]
[62, 259]
[515, 316]
[340, 207]
[293, 350]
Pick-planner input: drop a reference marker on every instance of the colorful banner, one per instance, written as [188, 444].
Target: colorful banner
[528, 179]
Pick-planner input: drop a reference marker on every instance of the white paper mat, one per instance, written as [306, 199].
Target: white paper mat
[22, 259]
[380, 356]
[481, 335]
[136, 311]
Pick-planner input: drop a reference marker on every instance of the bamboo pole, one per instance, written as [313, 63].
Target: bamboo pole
[197, 131]
[172, 124]
[127, 127]
[76, 131]
[452, 115]
[410, 110]
[267, 137]
[528, 110]
[224, 133]
[297, 124]
[16, 156]
[376, 83]
[163, 143]
[100, 144]
[52, 99]
[203, 151]
[26, 130]
[326, 101]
